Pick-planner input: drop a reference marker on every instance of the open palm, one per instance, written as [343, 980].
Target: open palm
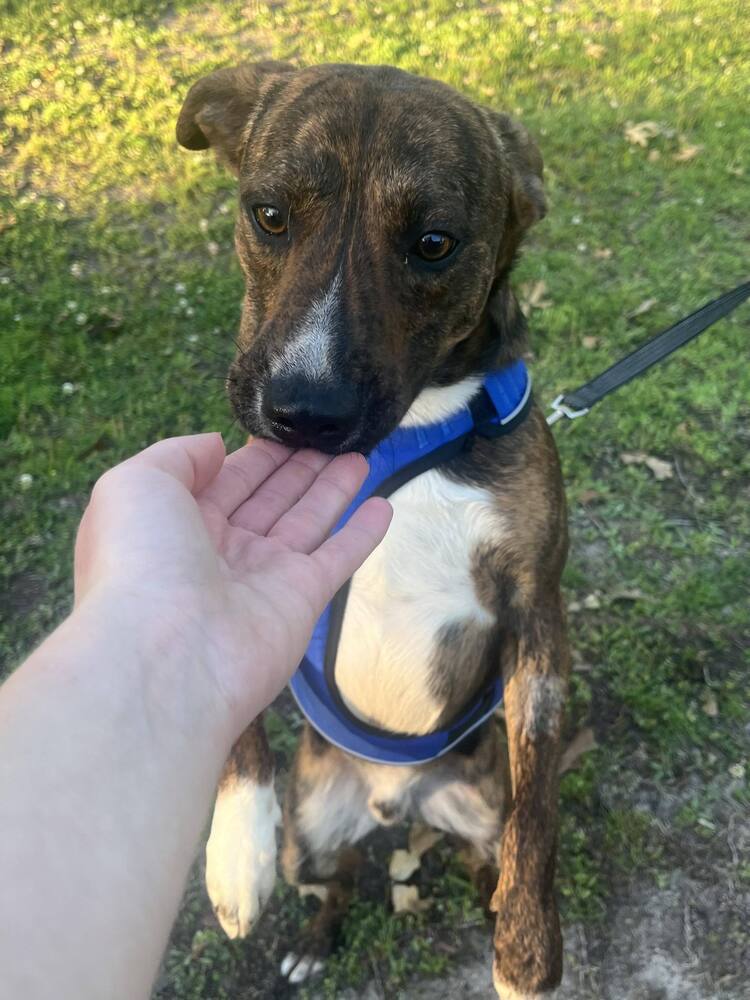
[240, 541]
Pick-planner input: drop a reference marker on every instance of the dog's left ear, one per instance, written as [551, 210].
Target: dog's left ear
[528, 203]
[219, 106]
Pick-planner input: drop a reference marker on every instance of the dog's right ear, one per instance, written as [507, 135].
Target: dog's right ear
[218, 107]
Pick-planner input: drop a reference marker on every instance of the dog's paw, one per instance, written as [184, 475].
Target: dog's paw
[241, 855]
[507, 992]
[528, 944]
[298, 968]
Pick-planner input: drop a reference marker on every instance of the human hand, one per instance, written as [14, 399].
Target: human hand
[230, 551]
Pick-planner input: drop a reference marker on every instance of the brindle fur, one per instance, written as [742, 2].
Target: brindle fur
[365, 159]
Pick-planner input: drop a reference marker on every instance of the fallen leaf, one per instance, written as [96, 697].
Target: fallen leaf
[603, 253]
[422, 838]
[653, 155]
[591, 602]
[661, 469]
[590, 342]
[406, 899]
[641, 308]
[403, 864]
[629, 594]
[591, 496]
[686, 153]
[710, 705]
[595, 50]
[581, 743]
[640, 133]
[532, 296]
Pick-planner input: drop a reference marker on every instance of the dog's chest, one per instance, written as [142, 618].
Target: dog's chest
[415, 585]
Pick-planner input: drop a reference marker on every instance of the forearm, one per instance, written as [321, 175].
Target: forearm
[107, 771]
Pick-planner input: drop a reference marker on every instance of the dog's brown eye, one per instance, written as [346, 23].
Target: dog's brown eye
[269, 219]
[434, 246]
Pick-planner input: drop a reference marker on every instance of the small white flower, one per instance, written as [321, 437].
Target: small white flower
[68, 388]
[81, 318]
[17, 318]
[76, 269]
[25, 480]
[60, 205]
[576, 220]
[699, 200]
[203, 225]
[36, 83]
[105, 289]
[582, 247]
[226, 207]
[193, 338]
[4, 280]
[80, 70]
[70, 305]
[183, 303]
[180, 288]
[213, 247]
[190, 311]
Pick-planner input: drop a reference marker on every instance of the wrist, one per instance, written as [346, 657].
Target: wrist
[163, 652]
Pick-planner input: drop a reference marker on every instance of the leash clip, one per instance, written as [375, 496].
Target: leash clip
[560, 409]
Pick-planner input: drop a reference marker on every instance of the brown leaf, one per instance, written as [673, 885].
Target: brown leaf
[532, 296]
[653, 155]
[640, 133]
[595, 50]
[603, 253]
[406, 899]
[641, 308]
[687, 153]
[590, 342]
[591, 496]
[661, 469]
[581, 743]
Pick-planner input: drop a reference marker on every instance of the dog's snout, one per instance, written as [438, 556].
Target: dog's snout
[309, 414]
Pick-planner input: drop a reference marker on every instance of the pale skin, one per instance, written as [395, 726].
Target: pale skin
[198, 579]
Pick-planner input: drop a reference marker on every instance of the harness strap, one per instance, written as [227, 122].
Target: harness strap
[576, 403]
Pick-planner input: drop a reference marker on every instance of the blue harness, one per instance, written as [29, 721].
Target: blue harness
[500, 404]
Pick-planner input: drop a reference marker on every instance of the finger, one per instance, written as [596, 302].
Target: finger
[243, 472]
[309, 522]
[342, 555]
[280, 492]
[193, 460]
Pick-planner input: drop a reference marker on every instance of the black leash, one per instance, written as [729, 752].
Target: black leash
[575, 404]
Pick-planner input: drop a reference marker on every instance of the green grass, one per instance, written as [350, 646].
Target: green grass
[117, 277]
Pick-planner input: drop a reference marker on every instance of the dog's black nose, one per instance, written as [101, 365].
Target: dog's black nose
[308, 414]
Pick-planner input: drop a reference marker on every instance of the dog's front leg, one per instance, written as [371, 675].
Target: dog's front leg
[528, 944]
[241, 850]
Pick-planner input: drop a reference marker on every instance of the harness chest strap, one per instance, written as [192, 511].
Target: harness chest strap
[502, 402]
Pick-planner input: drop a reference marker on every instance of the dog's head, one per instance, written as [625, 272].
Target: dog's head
[380, 214]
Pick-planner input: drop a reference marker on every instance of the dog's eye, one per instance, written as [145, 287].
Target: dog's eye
[434, 246]
[270, 219]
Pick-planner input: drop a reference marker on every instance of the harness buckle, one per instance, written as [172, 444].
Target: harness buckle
[560, 409]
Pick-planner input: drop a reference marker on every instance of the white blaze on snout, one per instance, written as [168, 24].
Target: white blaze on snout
[311, 352]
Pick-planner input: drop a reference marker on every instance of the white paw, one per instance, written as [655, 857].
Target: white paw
[297, 969]
[241, 854]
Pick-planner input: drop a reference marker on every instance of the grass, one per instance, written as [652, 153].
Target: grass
[119, 296]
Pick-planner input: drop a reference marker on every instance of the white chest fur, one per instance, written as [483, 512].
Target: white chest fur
[416, 582]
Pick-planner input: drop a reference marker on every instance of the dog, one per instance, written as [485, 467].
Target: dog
[380, 217]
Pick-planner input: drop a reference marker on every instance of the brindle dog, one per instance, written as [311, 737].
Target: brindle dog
[380, 216]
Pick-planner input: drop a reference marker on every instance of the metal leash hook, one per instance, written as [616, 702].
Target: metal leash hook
[648, 354]
[559, 409]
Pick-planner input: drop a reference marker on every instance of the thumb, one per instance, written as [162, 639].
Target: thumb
[194, 460]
